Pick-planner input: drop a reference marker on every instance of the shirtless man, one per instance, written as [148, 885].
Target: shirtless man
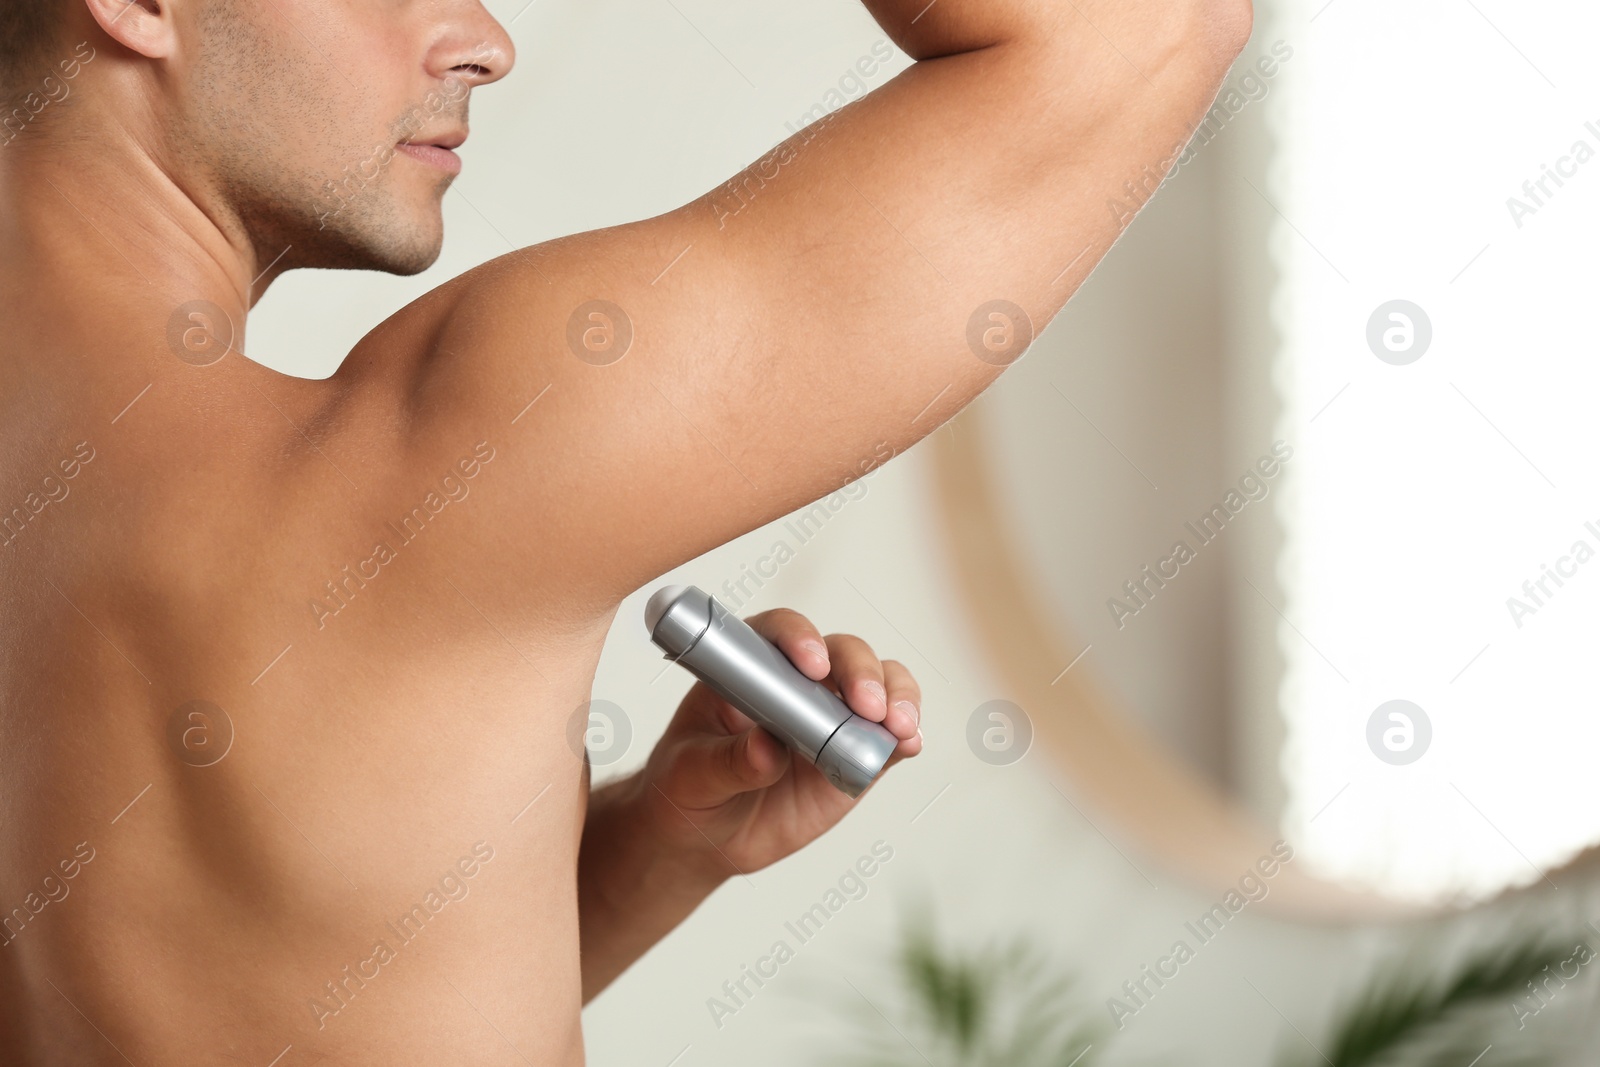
[289, 666]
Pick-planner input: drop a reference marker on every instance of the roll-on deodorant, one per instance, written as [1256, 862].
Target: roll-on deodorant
[754, 675]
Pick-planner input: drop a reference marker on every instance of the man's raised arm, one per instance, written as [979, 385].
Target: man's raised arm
[831, 305]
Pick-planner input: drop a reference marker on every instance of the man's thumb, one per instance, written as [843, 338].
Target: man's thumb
[714, 770]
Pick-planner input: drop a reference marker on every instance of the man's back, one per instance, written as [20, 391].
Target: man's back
[287, 759]
[259, 713]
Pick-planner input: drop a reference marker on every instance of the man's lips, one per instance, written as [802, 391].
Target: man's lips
[437, 155]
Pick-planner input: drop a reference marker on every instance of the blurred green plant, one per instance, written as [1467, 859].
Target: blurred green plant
[1000, 1005]
[1007, 1005]
[1408, 1015]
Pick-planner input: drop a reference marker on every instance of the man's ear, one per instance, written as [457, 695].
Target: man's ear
[142, 26]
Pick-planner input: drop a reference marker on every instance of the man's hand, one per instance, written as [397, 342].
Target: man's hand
[720, 787]
[720, 796]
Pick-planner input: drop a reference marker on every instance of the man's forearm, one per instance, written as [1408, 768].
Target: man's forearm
[632, 888]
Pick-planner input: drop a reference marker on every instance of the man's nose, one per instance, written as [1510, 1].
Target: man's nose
[473, 45]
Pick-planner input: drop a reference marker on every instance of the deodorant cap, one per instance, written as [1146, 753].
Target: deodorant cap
[677, 616]
[856, 753]
[659, 601]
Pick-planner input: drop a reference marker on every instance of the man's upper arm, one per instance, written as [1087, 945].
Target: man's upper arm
[832, 305]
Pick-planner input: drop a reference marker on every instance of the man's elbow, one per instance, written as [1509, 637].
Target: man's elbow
[1191, 44]
[1223, 28]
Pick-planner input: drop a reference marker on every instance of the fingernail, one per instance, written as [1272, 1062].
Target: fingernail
[815, 646]
[910, 709]
[876, 689]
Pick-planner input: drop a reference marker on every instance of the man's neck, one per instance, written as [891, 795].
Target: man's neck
[93, 234]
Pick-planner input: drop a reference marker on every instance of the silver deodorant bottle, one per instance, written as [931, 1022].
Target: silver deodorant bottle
[754, 675]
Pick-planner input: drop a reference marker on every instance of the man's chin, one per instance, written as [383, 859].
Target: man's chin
[390, 247]
[414, 263]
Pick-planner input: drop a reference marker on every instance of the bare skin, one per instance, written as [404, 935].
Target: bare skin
[405, 745]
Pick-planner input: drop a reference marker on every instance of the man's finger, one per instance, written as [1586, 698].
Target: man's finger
[858, 674]
[709, 771]
[904, 750]
[796, 638]
[905, 700]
